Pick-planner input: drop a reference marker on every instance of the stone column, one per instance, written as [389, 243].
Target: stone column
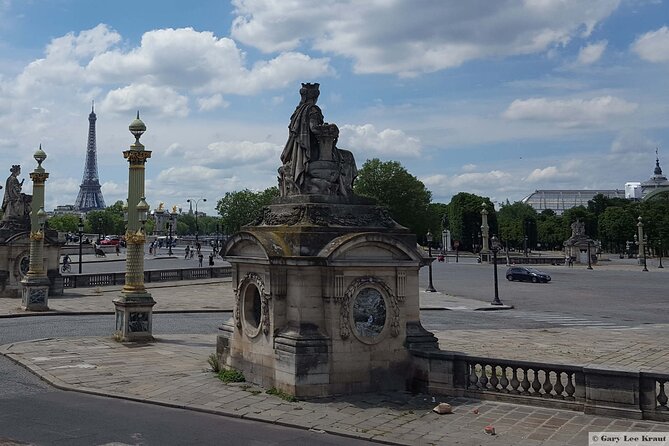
[485, 230]
[134, 307]
[35, 292]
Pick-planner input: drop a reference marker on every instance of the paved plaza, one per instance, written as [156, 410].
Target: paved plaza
[173, 371]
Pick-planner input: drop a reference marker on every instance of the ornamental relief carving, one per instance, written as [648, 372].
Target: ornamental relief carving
[259, 283]
[345, 303]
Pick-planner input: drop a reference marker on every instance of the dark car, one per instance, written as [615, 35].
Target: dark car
[526, 274]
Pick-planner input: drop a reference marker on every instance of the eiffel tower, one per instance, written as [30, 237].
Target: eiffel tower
[90, 195]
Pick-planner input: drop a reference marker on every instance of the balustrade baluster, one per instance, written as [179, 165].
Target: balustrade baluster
[525, 383]
[570, 389]
[473, 378]
[662, 396]
[515, 384]
[559, 387]
[494, 381]
[548, 385]
[504, 381]
[536, 385]
[484, 376]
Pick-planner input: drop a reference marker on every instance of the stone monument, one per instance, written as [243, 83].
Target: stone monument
[326, 282]
[579, 246]
[15, 233]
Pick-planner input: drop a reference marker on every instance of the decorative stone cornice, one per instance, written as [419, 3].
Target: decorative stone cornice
[137, 156]
[135, 238]
[39, 177]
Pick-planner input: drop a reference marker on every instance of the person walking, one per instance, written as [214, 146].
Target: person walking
[199, 259]
[187, 252]
[118, 248]
[211, 259]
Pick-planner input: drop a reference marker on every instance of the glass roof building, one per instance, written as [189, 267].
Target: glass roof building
[560, 200]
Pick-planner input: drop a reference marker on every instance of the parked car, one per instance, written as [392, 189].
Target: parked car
[110, 240]
[526, 274]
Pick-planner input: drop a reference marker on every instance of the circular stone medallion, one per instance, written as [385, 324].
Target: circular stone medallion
[369, 312]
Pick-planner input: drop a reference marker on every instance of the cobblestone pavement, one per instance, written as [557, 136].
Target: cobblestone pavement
[174, 371]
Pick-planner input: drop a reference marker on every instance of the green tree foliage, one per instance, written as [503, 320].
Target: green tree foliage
[582, 214]
[242, 207]
[617, 225]
[464, 219]
[405, 196]
[64, 223]
[516, 221]
[549, 230]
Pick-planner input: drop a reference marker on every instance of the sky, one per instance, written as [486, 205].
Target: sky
[493, 97]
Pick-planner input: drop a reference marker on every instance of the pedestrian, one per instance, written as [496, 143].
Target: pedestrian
[571, 262]
[199, 259]
[187, 251]
[198, 246]
[192, 253]
[211, 259]
[118, 248]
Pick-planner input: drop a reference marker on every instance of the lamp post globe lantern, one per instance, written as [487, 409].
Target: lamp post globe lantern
[430, 286]
[495, 246]
[80, 227]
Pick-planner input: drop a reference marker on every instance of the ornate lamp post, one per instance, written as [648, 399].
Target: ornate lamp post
[430, 287]
[81, 234]
[134, 307]
[169, 230]
[197, 228]
[35, 292]
[495, 247]
[589, 260]
[660, 252]
[640, 240]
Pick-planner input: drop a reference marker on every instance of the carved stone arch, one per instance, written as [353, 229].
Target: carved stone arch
[349, 295]
[393, 249]
[241, 307]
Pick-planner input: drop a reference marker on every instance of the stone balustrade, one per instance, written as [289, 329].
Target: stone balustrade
[591, 389]
[165, 275]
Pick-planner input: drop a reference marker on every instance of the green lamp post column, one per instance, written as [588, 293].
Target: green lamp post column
[35, 292]
[134, 307]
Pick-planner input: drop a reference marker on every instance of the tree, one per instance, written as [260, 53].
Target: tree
[580, 213]
[405, 196]
[549, 230]
[242, 207]
[517, 221]
[464, 219]
[64, 223]
[616, 225]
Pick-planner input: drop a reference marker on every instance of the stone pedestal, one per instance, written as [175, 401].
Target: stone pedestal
[326, 299]
[35, 294]
[134, 318]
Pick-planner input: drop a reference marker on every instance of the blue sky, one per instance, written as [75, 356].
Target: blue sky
[497, 98]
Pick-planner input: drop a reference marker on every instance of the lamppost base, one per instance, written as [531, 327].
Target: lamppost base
[496, 302]
[134, 318]
[430, 289]
[35, 294]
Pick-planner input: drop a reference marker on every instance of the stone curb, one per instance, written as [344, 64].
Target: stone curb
[104, 313]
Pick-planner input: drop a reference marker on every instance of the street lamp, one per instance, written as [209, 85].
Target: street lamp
[134, 307]
[589, 261]
[495, 247]
[81, 234]
[660, 251]
[197, 229]
[169, 230]
[641, 241]
[430, 287]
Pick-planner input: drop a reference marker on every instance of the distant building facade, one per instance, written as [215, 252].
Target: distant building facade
[560, 200]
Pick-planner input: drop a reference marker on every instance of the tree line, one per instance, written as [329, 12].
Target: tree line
[612, 221]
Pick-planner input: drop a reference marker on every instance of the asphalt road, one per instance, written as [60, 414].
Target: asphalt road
[32, 412]
[618, 296]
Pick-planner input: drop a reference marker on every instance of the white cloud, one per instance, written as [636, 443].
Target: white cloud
[632, 141]
[591, 53]
[212, 102]
[569, 112]
[162, 99]
[551, 174]
[388, 142]
[391, 37]
[653, 46]
[242, 152]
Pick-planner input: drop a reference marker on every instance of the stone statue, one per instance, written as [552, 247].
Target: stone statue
[312, 163]
[15, 204]
[577, 228]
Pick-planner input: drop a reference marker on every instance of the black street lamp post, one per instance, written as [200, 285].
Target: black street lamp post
[81, 234]
[495, 247]
[430, 286]
[197, 228]
[660, 252]
[589, 261]
[169, 229]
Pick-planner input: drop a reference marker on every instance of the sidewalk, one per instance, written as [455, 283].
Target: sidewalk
[174, 371]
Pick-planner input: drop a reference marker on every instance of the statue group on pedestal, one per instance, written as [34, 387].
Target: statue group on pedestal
[312, 163]
[16, 205]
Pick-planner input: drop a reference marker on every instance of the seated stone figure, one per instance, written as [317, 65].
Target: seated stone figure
[15, 204]
[312, 163]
